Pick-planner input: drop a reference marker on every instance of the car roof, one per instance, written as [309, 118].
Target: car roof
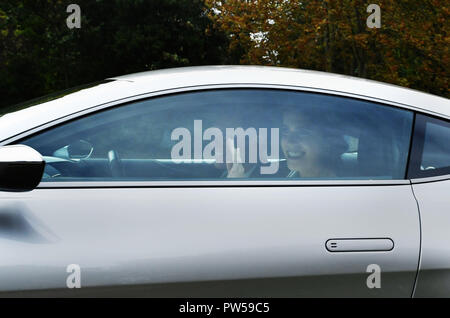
[123, 87]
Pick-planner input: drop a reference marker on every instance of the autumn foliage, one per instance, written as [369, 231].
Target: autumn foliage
[410, 49]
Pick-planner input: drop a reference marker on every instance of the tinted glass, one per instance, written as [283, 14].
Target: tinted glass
[431, 148]
[228, 134]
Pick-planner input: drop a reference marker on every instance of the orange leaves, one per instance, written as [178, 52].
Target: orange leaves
[410, 48]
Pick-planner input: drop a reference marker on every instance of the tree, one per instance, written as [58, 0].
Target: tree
[39, 54]
[410, 48]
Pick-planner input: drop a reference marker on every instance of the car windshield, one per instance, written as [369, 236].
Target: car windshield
[49, 97]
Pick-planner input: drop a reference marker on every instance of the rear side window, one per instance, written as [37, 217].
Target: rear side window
[228, 134]
[431, 148]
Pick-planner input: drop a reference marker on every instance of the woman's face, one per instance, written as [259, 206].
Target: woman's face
[300, 143]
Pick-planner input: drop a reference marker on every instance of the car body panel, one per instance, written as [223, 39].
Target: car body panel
[162, 236]
[434, 203]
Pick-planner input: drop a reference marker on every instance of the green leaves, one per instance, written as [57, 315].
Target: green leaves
[39, 54]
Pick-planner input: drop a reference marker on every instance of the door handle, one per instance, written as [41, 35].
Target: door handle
[359, 245]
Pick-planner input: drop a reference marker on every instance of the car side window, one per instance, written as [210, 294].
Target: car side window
[230, 134]
[431, 148]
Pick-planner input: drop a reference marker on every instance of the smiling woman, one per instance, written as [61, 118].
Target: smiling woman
[311, 143]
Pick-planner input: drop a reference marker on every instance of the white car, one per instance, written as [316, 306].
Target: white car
[227, 181]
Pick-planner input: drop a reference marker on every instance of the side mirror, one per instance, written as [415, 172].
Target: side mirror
[21, 168]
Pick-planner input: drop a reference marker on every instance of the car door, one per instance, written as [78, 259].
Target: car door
[430, 175]
[220, 192]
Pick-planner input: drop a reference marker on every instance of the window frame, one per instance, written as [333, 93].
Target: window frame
[417, 146]
[195, 183]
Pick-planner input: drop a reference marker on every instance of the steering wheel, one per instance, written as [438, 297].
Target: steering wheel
[115, 164]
